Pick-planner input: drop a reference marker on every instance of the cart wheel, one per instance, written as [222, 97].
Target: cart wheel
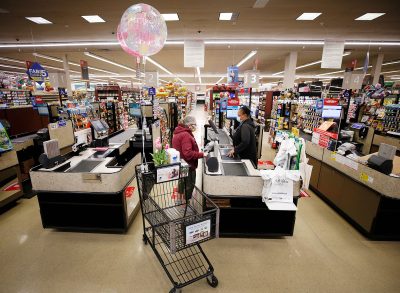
[145, 239]
[174, 290]
[212, 281]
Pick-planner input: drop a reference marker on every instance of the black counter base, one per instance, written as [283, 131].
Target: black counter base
[83, 212]
[248, 217]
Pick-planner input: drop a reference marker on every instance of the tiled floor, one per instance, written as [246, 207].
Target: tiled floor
[325, 254]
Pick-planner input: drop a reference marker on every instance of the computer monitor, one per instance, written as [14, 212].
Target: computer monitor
[105, 125]
[212, 124]
[135, 110]
[43, 110]
[98, 125]
[232, 112]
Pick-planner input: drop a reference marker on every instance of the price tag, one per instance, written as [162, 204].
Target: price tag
[333, 156]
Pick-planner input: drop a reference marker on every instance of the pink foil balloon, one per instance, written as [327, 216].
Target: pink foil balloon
[142, 30]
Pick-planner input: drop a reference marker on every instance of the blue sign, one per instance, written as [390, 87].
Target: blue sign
[37, 73]
[320, 104]
[62, 123]
[152, 91]
[233, 74]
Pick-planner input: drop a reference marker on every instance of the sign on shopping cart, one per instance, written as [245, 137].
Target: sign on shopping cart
[168, 173]
[198, 231]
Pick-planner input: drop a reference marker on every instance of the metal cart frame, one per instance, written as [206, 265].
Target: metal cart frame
[174, 226]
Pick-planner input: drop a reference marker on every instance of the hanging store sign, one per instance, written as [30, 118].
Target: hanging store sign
[332, 54]
[151, 79]
[84, 70]
[252, 79]
[193, 52]
[353, 81]
[36, 72]
[233, 74]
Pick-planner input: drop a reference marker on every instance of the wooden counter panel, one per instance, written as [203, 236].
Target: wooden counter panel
[315, 172]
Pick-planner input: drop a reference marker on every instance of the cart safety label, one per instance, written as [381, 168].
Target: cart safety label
[129, 191]
[198, 232]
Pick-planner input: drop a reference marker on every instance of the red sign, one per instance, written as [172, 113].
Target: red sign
[331, 102]
[28, 64]
[326, 133]
[84, 70]
[129, 191]
[234, 102]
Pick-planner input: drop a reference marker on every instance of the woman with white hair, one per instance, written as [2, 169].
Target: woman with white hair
[184, 141]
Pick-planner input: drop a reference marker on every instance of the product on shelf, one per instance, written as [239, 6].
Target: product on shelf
[14, 98]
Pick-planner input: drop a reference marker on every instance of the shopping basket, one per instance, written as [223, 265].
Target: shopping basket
[174, 226]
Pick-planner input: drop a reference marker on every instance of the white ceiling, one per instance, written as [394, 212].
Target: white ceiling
[276, 21]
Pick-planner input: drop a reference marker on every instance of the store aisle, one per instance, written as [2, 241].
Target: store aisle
[325, 254]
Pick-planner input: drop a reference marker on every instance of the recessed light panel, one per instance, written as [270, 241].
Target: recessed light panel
[309, 16]
[225, 16]
[93, 18]
[170, 16]
[38, 20]
[369, 16]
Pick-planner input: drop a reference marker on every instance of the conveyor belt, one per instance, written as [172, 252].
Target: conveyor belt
[85, 166]
[234, 169]
[124, 136]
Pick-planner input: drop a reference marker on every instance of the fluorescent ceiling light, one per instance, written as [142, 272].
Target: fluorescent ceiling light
[108, 61]
[118, 79]
[71, 63]
[251, 54]
[309, 64]
[163, 80]
[225, 16]
[181, 80]
[170, 16]
[260, 3]
[39, 20]
[390, 71]
[93, 18]
[207, 42]
[12, 60]
[219, 80]
[11, 66]
[392, 62]
[159, 65]
[198, 73]
[369, 16]
[309, 16]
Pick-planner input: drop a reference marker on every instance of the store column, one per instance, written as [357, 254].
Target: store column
[67, 77]
[290, 70]
[376, 70]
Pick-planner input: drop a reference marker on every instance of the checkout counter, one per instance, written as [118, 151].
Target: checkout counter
[236, 187]
[367, 198]
[91, 190]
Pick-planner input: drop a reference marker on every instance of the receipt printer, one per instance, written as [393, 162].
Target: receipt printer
[380, 164]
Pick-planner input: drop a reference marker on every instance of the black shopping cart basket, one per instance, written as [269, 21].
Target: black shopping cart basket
[174, 225]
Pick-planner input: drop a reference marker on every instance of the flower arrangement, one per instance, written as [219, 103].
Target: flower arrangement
[160, 155]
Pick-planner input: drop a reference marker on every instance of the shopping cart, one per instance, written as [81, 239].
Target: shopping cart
[175, 226]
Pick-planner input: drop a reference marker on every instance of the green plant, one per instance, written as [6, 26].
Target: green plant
[160, 157]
